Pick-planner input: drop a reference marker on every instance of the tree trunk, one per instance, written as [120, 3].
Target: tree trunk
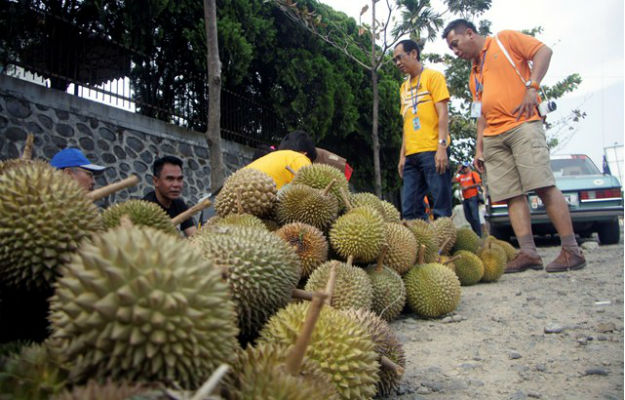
[213, 129]
[375, 142]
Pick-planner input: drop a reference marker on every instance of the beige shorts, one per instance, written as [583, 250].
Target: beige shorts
[517, 161]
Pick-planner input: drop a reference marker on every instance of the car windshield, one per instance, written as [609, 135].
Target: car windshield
[574, 166]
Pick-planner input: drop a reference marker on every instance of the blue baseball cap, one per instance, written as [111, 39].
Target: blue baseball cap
[466, 164]
[69, 158]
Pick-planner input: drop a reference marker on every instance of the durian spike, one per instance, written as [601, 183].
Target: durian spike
[209, 386]
[301, 294]
[327, 188]
[383, 252]
[195, 209]
[331, 283]
[388, 363]
[443, 246]
[421, 254]
[452, 259]
[112, 188]
[28, 147]
[288, 168]
[346, 199]
[295, 357]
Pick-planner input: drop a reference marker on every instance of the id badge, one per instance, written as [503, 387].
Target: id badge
[476, 109]
[416, 125]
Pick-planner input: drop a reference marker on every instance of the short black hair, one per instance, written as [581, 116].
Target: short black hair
[299, 141]
[157, 167]
[458, 24]
[410, 45]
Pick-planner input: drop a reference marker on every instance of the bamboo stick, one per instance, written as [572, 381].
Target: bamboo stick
[301, 294]
[112, 188]
[187, 214]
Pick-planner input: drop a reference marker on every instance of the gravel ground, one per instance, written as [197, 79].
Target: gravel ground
[531, 335]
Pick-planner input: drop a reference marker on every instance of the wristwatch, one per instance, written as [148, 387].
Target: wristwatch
[442, 142]
[532, 85]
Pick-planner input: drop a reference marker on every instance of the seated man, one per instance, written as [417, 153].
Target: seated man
[74, 163]
[168, 183]
[296, 150]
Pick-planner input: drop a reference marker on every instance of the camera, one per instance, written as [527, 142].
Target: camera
[546, 107]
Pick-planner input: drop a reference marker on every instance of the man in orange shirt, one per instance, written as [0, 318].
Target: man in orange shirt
[511, 145]
[470, 181]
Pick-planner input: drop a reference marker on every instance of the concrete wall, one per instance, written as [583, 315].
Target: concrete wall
[127, 142]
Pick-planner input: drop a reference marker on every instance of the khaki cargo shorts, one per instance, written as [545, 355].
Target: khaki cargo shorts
[517, 161]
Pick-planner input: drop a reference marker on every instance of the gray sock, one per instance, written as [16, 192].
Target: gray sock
[527, 245]
[569, 243]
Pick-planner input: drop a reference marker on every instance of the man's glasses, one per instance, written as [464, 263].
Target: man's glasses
[86, 171]
[398, 57]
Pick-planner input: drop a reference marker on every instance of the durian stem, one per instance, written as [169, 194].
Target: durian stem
[288, 168]
[212, 382]
[452, 259]
[125, 221]
[28, 147]
[195, 209]
[238, 201]
[421, 254]
[327, 188]
[296, 355]
[443, 246]
[380, 264]
[330, 285]
[301, 294]
[112, 188]
[388, 363]
[350, 260]
[348, 205]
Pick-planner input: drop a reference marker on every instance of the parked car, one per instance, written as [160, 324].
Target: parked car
[595, 201]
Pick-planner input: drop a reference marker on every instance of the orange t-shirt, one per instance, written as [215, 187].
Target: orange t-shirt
[469, 179]
[503, 89]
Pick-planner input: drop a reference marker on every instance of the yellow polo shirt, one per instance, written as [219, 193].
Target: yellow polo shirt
[274, 164]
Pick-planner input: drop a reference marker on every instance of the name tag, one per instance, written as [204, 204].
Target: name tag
[476, 109]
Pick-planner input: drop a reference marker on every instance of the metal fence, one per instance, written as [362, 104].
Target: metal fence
[48, 49]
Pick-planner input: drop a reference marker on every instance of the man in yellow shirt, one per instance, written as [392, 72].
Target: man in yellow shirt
[296, 150]
[423, 158]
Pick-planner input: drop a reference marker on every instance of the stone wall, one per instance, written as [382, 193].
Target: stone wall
[126, 142]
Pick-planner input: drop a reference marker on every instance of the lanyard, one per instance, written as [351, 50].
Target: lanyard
[479, 85]
[416, 94]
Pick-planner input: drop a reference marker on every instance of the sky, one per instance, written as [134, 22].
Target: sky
[586, 38]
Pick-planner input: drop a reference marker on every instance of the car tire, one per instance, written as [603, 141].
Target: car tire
[609, 232]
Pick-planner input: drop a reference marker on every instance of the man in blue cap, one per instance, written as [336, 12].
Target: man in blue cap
[470, 182]
[74, 163]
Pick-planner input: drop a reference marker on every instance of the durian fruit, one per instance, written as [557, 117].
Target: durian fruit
[445, 234]
[367, 199]
[318, 176]
[386, 345]
[309, 244]
[261, 269]
[359, 233]
[26, 157]
[424, 234]
[511, 252]
[401, 252]
[245, 220]
[432, 290]
[139, 304]
[469, 267]
[44, 215]
[466, 239]
[247, 191]
[33, 373]
[494, 260]
[389, 292]
[123, 390]
[341, 346]
[260, 373]
[141, 213]
[352, 288]
[301, 203]
[391, 212]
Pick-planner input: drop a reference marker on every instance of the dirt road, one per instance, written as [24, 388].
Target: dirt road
[531, 335]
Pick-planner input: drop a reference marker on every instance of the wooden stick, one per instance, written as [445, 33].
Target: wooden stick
[296, 355]
[212, 382]
[27, 154]
[187, 214]
[301, 294]
[112, 188]
[388, 363]
[421, 254]
[329, 187]
[443, 246]
[330, 285]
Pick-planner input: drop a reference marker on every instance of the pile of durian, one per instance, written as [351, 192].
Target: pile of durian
[283, 295]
